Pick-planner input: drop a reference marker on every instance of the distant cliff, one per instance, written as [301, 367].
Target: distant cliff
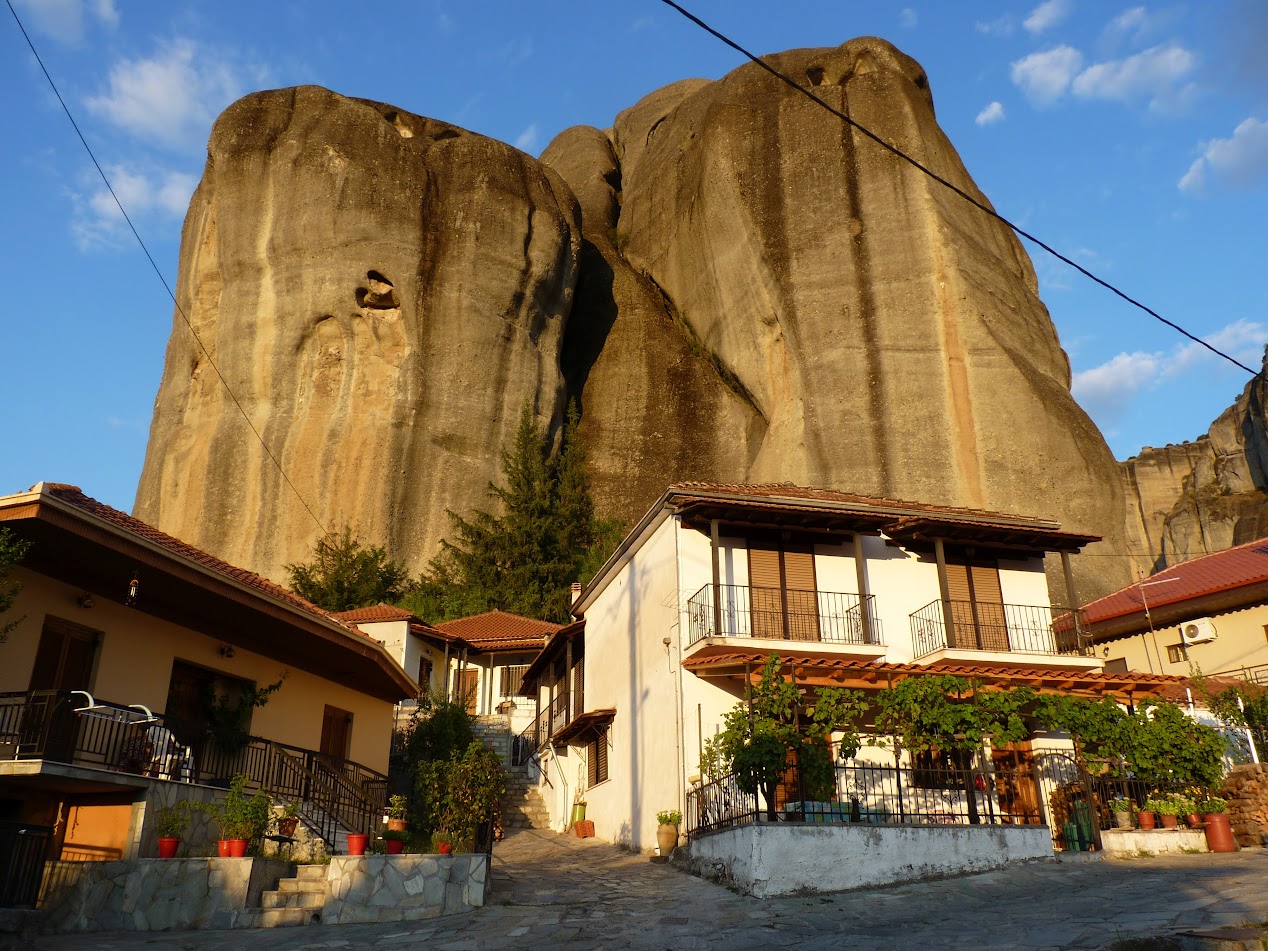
[734, 285]
[1202, 496]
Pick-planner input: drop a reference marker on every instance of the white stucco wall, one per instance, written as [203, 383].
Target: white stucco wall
[1241, 641]
[771, 859]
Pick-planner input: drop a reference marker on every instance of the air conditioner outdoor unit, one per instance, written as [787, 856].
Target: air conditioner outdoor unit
[1198, 631]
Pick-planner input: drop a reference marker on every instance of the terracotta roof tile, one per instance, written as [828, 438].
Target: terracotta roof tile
[1222, 571]
[376, 612]
[499, 630]
[73, 495]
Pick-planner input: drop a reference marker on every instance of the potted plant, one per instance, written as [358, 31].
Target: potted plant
[240, 818]
[1219, 834]
[667, 823]
[397, 814]
[1188, 807]
[1121, 807]
[288, 820]
[395, 841]
[443, 843]
[170, 827]
[1169, 808]
[1145, 817]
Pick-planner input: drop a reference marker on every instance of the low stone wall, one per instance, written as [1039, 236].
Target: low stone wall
[1246, 790]
[770, 859]
[1132, 842]
[375, 888]
[156, 894]
[199, 838]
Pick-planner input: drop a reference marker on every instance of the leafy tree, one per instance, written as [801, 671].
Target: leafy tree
[948, 713]
[525, 559]
[344, 575]
[12, 551]
[1250, 714]
[1164, 745]
[1100, 728]
[769, 729]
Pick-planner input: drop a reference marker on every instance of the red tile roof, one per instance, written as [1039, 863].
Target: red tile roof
[376, 612]
[500, 630]
[73, 495]
[1211, 574]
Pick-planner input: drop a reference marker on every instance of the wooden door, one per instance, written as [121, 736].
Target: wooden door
[466, 688]
[977, 606]
[64, 658]
[782, 593]
[1017, 784]
[336, 732]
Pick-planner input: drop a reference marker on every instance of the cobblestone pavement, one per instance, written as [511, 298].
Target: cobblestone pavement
[560, 892]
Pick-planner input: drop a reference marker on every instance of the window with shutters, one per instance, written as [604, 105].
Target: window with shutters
[977, 605]
[424, 674]
[65, 655]
[783, 600]
[513, 680]
[597, 759]
[1175, 654]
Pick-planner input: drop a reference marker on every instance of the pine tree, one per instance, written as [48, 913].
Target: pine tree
[345, 575]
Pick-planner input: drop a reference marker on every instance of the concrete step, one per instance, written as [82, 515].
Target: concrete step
[286, 917]
[311, 873]
[307, 886]
[284, 899]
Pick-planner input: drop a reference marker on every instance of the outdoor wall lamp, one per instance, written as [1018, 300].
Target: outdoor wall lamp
[226, 652]
[85, 600]
[133, 586]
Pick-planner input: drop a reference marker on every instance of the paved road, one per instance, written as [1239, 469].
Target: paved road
[561, 892]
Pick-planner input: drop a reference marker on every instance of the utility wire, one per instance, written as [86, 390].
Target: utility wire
[149, 257]
[955, 188]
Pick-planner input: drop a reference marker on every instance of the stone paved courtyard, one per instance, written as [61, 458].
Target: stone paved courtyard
[561, 892]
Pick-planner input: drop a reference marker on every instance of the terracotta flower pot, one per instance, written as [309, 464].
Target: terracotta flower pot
[167, 846]
[1219, 834]
[238, 848]
[286, 825]
[1145, 820]
[445, 848]
[395, 846]
[397, 825]
[1170, 822]
[667, 839]
[357, 842]
[1193, 820]
[222, 847]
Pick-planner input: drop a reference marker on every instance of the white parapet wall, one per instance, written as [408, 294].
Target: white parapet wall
[770, 859]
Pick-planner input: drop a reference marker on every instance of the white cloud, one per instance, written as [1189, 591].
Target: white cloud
[160, 193]
[66, 20]
[1156, 74]
[1132, 23]
[171, 98]
[992, 113]
[527, 139]
[908, 19]
[1047, 14]
[1239, 161]
[1105, 390]
[1002, 26]
[1045, 77]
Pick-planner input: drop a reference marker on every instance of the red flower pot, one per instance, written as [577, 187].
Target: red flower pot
[222, 846]
[357, 842]
[1219, 834]
[395, 846]
[1193, 820]
[286, 825]
[238, 848]
[1145, 820]
[168, 846]
[1171, 822]
[445, 848]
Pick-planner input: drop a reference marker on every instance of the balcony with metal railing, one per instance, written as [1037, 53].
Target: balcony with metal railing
[987, 632]
[837, 621]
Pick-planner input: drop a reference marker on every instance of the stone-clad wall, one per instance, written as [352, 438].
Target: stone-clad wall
[200, 833]
[156, 894]
[402, 887]
[1246, 790]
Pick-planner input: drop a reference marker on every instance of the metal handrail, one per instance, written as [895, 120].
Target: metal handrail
[732, 610]
[990, 626]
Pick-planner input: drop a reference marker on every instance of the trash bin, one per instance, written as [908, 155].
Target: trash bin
[578, 812]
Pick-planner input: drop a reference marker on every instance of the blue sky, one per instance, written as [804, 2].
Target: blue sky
[1134, 137]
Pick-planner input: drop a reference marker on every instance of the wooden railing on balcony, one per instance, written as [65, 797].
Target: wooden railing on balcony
[730, 610]
[987, 626]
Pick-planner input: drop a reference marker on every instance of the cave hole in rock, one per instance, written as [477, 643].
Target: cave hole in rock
[399, 124]
[921, 81]
[814, 75]
[445, 134]
[380, 295]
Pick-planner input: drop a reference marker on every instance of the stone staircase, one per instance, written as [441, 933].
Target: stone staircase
[295, 901]
[522, 805]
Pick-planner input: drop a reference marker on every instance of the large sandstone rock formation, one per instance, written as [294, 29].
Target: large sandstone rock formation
[1202, 496]
[754, 292]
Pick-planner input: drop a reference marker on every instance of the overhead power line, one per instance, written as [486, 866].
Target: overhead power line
[955, 188]
[149, 257]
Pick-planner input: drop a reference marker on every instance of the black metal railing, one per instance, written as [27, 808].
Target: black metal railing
[874, 794]
[731, 610]
[53, 725]
[986, 626]
[23, 849]
[531, 739]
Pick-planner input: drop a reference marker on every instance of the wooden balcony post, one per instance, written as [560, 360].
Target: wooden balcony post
[714, 545]
[861, 577]
[1071, 600]
[944, 593]
[568, 681]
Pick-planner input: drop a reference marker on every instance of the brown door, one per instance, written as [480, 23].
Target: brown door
[1016, 784]
[977, 606]
[466, 686]
[64, 659]
[784, 603]
[336, 732]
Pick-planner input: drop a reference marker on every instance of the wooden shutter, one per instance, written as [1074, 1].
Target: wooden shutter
[801, 600]
[976, 606]
[578, 689]
[766, 602]
[336, 731]
[597, 759]
[64, 658]
[602, 749]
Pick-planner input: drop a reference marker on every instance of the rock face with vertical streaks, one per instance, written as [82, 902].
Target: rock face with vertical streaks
[742, 289]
